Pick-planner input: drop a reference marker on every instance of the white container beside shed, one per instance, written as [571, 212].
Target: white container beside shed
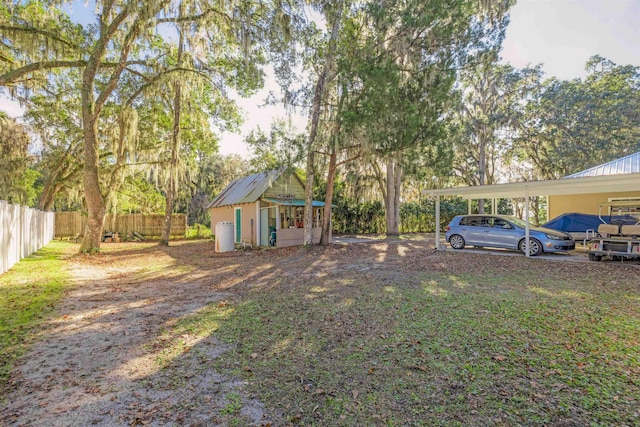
[224, 236]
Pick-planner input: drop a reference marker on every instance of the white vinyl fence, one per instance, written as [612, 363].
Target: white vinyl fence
[23, 231]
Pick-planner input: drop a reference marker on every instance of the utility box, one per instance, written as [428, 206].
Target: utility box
[224, 237]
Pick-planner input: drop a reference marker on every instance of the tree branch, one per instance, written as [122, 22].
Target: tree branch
[32, 30]
[350, 159]
[126, 47]
[195, 18]
[13, 75]
[159, 76]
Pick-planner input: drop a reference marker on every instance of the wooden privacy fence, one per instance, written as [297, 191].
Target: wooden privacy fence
[23, 231]
[72, 224]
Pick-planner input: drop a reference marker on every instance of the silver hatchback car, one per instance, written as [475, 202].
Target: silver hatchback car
[500, 231]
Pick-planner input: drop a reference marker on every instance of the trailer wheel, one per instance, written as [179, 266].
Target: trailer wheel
[594, 257]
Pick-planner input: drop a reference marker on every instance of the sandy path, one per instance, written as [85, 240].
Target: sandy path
[95, 365]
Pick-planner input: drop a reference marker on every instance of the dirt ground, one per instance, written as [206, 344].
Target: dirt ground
[96, 363]
[93, 364]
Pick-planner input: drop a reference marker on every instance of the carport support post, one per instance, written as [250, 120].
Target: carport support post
[437, 222]
[526, 218]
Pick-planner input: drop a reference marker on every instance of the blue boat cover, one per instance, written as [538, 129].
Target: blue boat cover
[579, 222]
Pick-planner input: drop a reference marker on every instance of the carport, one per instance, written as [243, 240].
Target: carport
[528, 189]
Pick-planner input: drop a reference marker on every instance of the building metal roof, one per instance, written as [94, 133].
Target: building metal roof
[247, 189]
[626, 164]
[580, 185]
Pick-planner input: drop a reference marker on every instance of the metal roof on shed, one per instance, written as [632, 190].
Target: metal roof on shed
[293, 202]
[627, 164]
[247, 189]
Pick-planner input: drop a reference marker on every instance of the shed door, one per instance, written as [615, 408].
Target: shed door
[264, 226]
[238, 225]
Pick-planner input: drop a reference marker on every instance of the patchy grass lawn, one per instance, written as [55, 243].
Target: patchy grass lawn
[525, 343]
[28, 294]
[383, 333]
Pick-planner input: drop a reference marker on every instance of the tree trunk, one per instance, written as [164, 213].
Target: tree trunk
[173, 178]
[392, 199]
[313, 130]
[95, 202]
[91, 108]
[172, 184]
[48, 196]
[396, 198]
[308, 201]
[90, 114]
[326, 219]
[482, 168]
[175, 151]
[47, 201]
[91, 180]
[168, 214]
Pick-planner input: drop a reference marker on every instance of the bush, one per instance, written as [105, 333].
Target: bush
[350, 217]
[198, 231]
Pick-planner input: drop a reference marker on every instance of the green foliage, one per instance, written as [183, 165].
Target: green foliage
[351, 216]
[54, 117]
[419, 216]
[493, 97]
[198, 231]
[138, 195]
[576, 124]
[30, 187]
[280, 149]
[214, 172]
[35, 31]
[404, 79]
[233, 406]
[18, 178]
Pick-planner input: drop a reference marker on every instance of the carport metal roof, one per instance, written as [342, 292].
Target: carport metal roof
[566, 186]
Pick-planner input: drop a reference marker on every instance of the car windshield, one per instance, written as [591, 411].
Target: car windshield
[518, 222]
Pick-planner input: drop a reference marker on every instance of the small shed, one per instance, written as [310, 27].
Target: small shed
[266, 205]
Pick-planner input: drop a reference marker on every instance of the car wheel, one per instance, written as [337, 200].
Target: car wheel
[594, 257]
[456, 241]
[535, 247]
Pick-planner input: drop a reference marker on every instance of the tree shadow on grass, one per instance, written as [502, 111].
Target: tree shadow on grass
[370, 332]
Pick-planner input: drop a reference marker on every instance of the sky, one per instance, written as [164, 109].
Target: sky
[564, 34]
[560, 34]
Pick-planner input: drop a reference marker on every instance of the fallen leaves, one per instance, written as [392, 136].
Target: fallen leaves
[374, 347]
